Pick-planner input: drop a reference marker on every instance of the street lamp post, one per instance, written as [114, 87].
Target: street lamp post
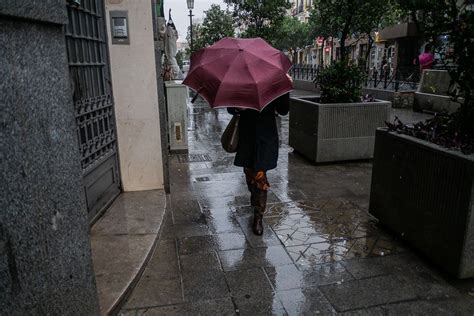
[191, 7]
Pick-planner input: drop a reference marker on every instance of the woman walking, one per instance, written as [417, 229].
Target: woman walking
[257, 152]
[250, 77]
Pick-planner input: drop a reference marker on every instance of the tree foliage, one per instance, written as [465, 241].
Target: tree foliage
[454, 19]
[429, 15]
[259, 18]
[343, 18]
[197, 38]
[340, 82]
[291, 34]
[216, 25]
[180, 58]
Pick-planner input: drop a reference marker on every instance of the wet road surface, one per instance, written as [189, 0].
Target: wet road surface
[321, 253]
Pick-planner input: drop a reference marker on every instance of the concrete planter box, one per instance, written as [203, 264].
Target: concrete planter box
[399, 99]
[335, 132]
[425, 194]
[427, 102]
[433, 93]
[307, 85]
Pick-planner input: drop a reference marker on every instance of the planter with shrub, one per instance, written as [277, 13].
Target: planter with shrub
[340, 125]
[433, 93]
[425, 194]
[423, 175]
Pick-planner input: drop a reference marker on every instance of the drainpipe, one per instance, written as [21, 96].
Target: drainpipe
[159, 46]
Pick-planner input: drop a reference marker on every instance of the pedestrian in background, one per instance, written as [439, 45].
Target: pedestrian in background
[257, 152]
[426, 59]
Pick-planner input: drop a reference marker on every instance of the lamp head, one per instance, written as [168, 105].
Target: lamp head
[190, 4]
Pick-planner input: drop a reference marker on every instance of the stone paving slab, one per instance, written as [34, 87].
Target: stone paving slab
[152, 291]
[164, 263]
[368, 292]
[249, 283]
[196, 263]
[204, 286]
[223, 306]
[305, 301]
[288, 277]
[321, 252]
[247, 258]
[269, 238]
[221, 221]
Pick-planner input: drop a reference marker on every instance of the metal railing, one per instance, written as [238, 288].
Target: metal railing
[403, 78]
[304, 72]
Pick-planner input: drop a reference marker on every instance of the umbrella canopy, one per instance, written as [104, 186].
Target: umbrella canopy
[237, 72]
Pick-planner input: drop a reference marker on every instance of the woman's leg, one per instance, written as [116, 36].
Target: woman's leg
[251, 185]
[258, 186]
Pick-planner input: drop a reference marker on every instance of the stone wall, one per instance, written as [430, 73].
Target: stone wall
[403, 99]
[45, 256]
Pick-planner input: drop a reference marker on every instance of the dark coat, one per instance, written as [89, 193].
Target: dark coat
[258, 135]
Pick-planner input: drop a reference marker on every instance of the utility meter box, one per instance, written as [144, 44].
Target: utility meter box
[119, 27]
[177, 105]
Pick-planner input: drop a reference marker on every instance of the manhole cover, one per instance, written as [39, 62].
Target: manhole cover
[194, 158]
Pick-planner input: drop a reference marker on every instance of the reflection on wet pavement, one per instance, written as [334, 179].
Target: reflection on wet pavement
[321, 252]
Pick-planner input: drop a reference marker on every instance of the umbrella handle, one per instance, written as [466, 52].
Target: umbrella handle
[197, 94]
[194, 98]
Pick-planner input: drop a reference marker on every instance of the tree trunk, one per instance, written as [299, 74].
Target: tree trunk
[344, 34]
[321, 58]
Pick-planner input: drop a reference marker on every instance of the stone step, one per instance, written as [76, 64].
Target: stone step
[122, 243]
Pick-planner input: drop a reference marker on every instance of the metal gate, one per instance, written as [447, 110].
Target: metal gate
[86, 39]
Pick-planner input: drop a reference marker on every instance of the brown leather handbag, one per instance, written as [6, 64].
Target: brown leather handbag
[230, 137]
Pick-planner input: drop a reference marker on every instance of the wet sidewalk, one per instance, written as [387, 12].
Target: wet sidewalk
[321, 253]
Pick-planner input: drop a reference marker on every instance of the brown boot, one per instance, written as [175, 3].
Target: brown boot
[253, 196]
[251, 186]
[257, 225]
[259, 210]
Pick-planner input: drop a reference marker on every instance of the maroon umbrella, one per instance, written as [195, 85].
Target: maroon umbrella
[239, 72]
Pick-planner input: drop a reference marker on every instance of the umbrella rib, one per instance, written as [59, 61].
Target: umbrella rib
[201, 66]
[227, 73]
[254, 79]
[266, 61]
[223, 78]
[212, 61]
